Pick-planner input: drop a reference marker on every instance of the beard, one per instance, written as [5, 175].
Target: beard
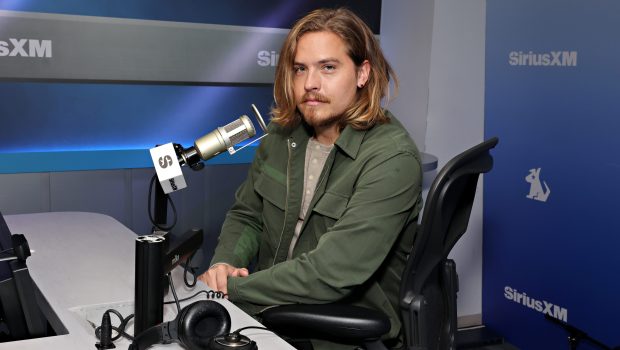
[316, 120]
[316, 116]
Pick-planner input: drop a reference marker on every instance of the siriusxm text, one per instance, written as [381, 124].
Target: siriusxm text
[173, 184]
[26, 48]
[267, 58]
[552, 58]
[541, 306]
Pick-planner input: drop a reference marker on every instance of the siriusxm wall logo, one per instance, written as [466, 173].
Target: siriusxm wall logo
[537, 192]
[552, 58]
[26, 48]
[267, 58]
[541, 306]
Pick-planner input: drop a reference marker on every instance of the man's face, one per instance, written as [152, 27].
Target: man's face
[325, 78]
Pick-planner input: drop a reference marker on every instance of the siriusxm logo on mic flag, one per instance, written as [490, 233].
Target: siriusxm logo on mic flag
[168, 168]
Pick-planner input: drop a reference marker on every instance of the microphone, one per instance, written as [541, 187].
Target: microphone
[169, 158]
[218, 140]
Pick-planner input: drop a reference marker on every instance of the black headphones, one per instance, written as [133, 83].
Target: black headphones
[202, 325]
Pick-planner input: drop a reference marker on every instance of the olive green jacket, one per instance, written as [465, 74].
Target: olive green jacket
[353, 245]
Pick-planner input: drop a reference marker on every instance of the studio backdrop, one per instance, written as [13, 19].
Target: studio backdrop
[551, 233]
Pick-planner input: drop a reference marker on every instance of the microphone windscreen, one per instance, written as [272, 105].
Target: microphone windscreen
[238, 130]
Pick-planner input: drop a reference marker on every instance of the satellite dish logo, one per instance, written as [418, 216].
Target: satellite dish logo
[537, 192]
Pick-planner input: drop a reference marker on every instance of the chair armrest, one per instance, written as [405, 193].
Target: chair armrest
[327, 321]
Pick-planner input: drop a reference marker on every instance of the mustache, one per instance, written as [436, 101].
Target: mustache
[315, 96]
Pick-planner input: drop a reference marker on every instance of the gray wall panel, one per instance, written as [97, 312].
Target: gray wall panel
[221, 182]
[189, 202]
[24, 193]
[139, 192]
[105, 191]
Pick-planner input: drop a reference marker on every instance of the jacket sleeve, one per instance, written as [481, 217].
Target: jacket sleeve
[240, 235]
[354, 247]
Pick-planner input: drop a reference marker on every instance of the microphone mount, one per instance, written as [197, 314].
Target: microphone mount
[188, 156]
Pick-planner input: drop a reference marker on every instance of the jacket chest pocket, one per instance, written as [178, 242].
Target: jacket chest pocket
[330, 208]
[273, 194]
[271, 191]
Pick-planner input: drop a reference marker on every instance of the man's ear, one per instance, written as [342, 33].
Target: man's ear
[363, 72]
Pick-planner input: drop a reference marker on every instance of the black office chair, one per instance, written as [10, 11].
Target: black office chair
[429, 284]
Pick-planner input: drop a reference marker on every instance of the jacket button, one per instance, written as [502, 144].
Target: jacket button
[294, 144]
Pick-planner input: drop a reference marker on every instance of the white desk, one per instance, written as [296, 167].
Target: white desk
[83, 263]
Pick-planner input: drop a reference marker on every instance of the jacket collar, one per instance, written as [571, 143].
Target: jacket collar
[349, 141]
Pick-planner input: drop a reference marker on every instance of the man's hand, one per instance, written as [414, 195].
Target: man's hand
[217, 276]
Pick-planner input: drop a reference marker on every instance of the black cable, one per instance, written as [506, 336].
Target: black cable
[209, 294]
[252, 327]
[192, 270]
[168, 200]
[174, 293]
[120, 329]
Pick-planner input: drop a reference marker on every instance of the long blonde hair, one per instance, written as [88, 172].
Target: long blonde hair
[361, 44]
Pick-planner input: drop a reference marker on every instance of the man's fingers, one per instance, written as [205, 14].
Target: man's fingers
[209, 278]
[221, 275]
[242, 272]
[217, 276]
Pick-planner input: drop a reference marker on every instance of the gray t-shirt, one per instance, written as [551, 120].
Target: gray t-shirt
[316, 155]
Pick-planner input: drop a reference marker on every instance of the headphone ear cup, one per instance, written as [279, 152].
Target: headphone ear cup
[201, 321]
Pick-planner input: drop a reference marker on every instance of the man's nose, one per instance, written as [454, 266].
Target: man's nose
[313, 80]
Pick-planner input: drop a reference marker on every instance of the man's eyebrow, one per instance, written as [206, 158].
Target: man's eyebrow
[329, 60]
[323, 61]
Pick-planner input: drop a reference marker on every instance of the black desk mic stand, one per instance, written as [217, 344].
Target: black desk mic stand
[150, 250]
[160, 207]
[155, 257]
[149, 282]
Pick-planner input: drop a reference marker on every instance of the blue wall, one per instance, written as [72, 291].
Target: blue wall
[69, 124]
[266, 13]
[551, 243]
[78, 126]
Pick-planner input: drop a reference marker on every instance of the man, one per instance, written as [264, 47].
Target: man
[334, 186]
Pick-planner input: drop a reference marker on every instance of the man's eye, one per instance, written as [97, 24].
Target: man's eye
[299, 69]
[329, 67]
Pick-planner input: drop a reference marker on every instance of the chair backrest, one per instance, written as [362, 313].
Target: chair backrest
[429, 283]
